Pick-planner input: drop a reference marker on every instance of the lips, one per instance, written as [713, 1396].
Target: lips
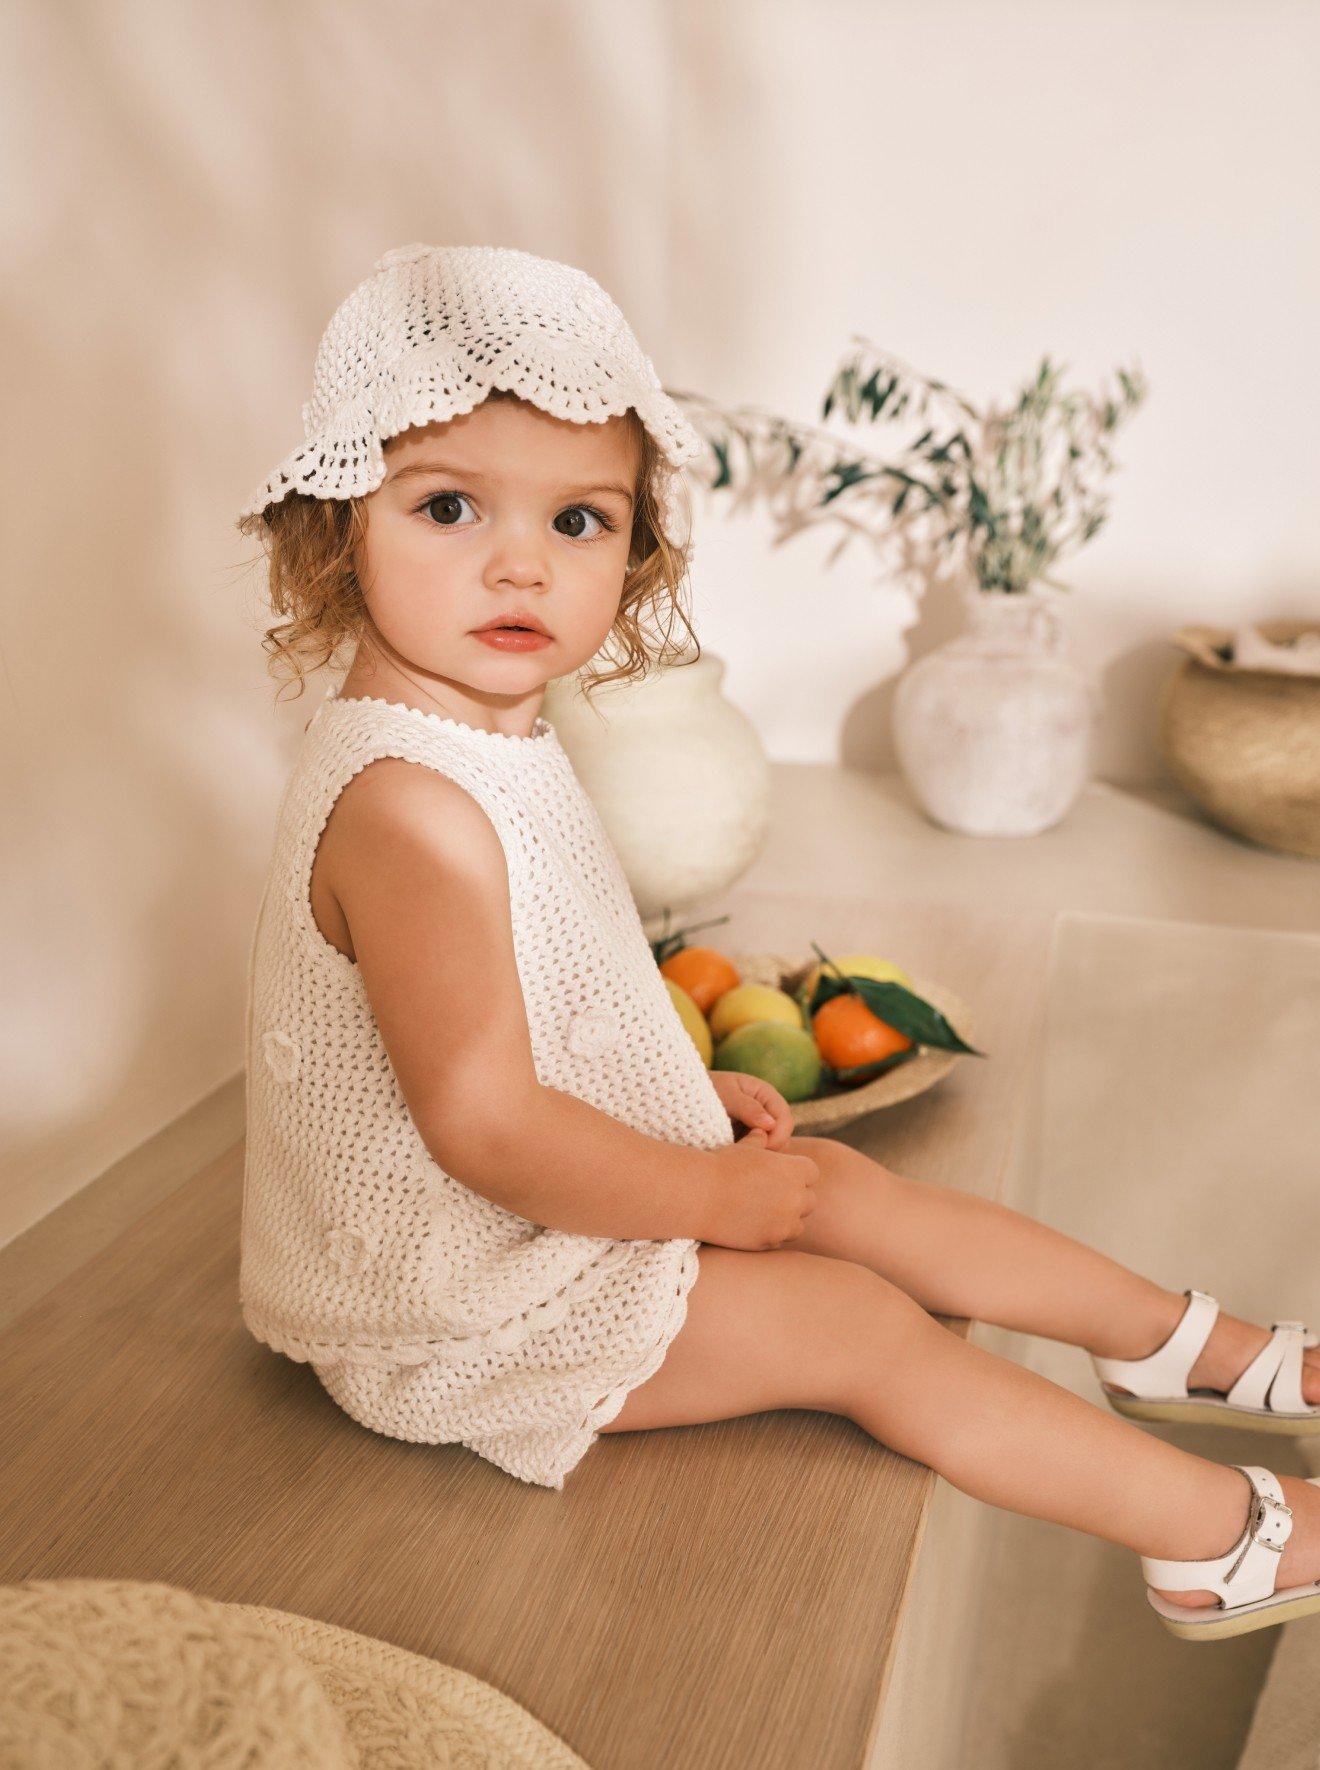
[524, 623]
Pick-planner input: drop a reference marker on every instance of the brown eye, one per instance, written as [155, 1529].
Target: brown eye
[576, 513]
[442, 507]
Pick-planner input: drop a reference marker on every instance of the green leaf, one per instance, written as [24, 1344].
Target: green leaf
[898, 1007]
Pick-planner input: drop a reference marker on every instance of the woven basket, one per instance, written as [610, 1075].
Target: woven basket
[137, 1672]
[835, 1107]
[1244, 743]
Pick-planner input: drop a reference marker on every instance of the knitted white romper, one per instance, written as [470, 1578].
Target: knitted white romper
[428, 1312]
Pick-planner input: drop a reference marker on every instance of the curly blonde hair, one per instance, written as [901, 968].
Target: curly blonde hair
[310, 545]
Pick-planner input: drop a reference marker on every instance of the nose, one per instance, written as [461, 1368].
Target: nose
[517, 559]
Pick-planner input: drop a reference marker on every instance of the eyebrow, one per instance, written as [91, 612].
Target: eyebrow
[421, 469]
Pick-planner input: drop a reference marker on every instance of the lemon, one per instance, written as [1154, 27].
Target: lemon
[692, 1017]
[752, 1001]
[785, 1056]
[860, 965]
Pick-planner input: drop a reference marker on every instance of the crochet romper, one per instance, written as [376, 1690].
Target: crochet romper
[429, 1312]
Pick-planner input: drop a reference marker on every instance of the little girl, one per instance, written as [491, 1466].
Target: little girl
[493, 1196]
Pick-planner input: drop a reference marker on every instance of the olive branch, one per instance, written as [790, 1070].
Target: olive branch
[1005, 492]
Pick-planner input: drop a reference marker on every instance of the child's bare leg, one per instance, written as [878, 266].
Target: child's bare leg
[967, 1256]
[793, 1330]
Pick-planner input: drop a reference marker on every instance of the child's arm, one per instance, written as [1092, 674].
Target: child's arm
[420, 876]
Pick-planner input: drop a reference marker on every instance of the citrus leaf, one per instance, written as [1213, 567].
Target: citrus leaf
[898, 1007]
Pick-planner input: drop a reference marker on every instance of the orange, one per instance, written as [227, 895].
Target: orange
[702, 972]
[848, 1034]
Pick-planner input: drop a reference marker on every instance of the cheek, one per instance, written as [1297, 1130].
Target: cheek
[396, 549]
[601, 576]
[402, 583]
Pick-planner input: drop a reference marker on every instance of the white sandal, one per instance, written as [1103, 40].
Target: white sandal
[1267, 1397]
[1243, 1580]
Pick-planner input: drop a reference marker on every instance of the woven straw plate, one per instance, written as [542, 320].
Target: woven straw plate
[836, 1106]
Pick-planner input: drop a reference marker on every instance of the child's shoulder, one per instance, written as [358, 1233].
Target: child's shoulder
[392, 806]
[398, 828]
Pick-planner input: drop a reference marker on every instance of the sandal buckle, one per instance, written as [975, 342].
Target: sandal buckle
[1262, 1506]
[1273, 1506]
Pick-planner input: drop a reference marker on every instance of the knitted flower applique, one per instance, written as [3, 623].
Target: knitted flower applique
[283, 1054]
[349, 1249]
[590, 1032]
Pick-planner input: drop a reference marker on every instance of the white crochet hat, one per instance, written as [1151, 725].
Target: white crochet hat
[434, 328]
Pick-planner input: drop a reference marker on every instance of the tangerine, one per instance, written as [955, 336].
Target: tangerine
[848, 1033]
[702, 972]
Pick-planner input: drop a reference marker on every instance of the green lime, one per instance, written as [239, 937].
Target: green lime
[785, 1056]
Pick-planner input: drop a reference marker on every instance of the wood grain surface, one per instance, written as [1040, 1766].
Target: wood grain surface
[713, 1595]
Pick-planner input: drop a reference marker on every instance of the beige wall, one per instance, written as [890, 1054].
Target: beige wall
[974, 185]
[192, 189]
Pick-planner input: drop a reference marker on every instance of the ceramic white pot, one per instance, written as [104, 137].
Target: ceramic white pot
[993, 729]
[678, 775]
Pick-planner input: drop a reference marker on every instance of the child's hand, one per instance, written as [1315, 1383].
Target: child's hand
[750, 1101]
[756, 1203]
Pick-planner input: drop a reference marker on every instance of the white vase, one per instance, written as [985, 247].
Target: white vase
[678, 774]
[993, 729]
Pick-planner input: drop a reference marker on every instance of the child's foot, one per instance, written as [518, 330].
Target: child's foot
[1230, 1349]
[1232, 1345]
[1299, 1564]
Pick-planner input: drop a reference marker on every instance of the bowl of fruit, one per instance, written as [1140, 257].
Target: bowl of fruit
[838, 1035]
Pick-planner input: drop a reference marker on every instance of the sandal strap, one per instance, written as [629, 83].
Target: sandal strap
[1163, 1375]
[1273, 1379]
[1250, 1568]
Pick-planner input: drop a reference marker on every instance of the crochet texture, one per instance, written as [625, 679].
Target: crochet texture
[428, 1311]
[434, 328]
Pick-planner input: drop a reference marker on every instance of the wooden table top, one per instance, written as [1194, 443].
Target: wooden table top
[714, 1595]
